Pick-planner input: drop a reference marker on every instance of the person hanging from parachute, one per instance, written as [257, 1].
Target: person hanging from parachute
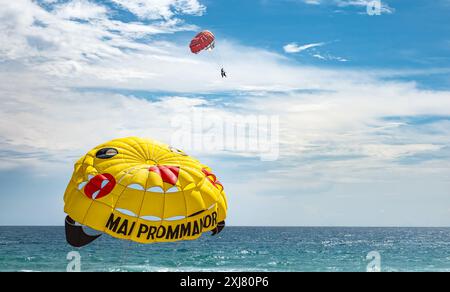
[144, 191]
[204, 41]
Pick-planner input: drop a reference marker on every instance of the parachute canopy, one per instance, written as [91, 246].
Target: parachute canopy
[202, 41]
[144, 191]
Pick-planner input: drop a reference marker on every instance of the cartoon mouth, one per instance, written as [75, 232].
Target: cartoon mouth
[101, 185]
[155, 218]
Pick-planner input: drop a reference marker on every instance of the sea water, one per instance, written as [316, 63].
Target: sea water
[236, 249]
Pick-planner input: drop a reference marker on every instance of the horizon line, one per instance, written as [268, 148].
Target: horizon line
[278, 226]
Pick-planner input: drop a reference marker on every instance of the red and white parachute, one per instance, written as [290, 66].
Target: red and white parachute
[204, 40]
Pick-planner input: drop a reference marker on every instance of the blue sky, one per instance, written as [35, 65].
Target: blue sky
[415, 35]
[363, 102]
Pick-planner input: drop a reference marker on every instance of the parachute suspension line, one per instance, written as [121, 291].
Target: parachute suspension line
[220, 60]
[217, 57]
[211, 46]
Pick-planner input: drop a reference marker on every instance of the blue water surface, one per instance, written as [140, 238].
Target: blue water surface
[235, 249]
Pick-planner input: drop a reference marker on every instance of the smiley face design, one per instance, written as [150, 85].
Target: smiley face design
[145, 191]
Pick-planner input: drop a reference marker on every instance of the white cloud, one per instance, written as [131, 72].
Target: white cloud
[312, 2]
[59, 96]
[292, 48]
[329, 57]
[295, 48]
[156, 9]
[340, 106]
[385, 8]
[318, 56]
[80, 9]
[53, 41]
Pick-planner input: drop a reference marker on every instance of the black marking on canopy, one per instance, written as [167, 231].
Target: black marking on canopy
[106, 153]
[196, 213]
[76, 236]
[220, 226]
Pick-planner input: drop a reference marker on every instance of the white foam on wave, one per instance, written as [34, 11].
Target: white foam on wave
[149, 268]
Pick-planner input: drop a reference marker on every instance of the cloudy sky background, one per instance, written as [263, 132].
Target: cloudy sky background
[363, 101]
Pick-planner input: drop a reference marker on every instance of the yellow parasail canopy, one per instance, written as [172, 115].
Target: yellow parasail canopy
[142, 190]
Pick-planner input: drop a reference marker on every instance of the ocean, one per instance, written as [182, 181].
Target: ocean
[236, 249]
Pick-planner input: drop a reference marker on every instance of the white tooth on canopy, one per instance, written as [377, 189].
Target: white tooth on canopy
[151, 218]
[173, 189]
[104, 183]
[136, 187]
[81, 185]
[94, 195]
[155, 190]
[126, 212]
[175, 218]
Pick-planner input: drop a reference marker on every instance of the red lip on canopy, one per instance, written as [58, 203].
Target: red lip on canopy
[102, 184]
[212, 178]
[169, 174]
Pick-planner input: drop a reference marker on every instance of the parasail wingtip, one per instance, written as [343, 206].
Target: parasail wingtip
[220, 226]
[75, 235]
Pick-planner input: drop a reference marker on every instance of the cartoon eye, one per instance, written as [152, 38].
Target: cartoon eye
[106, 153]
[178, 151]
